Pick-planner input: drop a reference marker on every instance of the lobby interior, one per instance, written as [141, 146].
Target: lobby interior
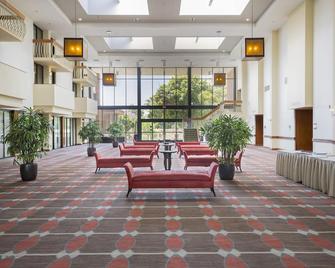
[167, 133]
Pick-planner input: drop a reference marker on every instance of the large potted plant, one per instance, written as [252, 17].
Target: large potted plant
[91, 133]
[228, 134]
[26, 138]
[115, 130]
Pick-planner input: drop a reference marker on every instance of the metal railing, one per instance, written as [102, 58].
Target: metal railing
[11, 20]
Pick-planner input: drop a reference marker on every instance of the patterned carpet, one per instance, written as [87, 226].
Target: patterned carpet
[71, 217]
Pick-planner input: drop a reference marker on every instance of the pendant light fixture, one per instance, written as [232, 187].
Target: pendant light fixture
[108, 79]
[219, 78]
[254, 47]
[74, 46]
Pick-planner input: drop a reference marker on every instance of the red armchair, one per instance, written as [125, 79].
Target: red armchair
[118, 162]
[238, 161]
[199, 160]
[170, 179]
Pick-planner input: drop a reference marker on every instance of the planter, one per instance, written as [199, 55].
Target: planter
[226, 171]
[91, 151]
[28, 172]
[115, 144]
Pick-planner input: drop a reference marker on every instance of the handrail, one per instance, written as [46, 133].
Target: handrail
[47, 48]
[12, 9]
[227, 102]
[46, 41]
[11, 20]
[83, 72]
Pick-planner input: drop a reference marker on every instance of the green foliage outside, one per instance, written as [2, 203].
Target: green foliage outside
[91, 132]
[27, 136]
[228, 134]
[115, 130]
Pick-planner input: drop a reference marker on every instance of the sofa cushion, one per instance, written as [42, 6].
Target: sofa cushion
[170, 176]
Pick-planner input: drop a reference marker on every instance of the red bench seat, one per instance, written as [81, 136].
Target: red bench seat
[170, 179]
[137, 151]
[199, 151]
[199, 160]
[118, 162]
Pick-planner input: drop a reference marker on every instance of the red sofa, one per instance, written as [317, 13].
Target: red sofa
[183, 147]
[154, 143]
[118, 162]
[137, 151]
[170, 179]
[199, 151]
[180, 143]
[199, 160]
[145, 146]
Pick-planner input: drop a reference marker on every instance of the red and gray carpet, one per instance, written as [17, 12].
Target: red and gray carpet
[71, 217]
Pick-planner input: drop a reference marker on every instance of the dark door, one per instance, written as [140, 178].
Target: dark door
[259, 129]
[304, 129]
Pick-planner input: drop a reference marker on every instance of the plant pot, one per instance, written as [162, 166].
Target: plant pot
[226, 171]
[91, 151]
[115, 144]
[28, 172]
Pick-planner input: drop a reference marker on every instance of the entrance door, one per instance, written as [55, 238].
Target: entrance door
[304, 129]
[259, 129]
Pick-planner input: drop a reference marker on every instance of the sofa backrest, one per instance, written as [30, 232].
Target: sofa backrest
[212, 170]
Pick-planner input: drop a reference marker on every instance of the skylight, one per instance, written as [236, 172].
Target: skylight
[115, 7]
[212, 7]
[198, 42]
[120, 43]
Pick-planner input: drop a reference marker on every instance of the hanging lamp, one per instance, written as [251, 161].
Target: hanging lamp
[108, 79]
[74, 46]
[254, 46]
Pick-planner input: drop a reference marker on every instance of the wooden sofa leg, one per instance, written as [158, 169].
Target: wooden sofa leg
[185, 168]
[129, 190]
[212, 189]
[151, 167]
[96, 170]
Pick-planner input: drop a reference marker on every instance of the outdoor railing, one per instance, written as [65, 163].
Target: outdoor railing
[11, 20]
[83, 72]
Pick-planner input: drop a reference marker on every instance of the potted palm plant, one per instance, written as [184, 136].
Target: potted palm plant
[91, 133]
[115, 130]
[26, 138]
[227, 134]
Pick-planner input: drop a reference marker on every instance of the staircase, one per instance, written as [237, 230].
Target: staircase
[12, 25]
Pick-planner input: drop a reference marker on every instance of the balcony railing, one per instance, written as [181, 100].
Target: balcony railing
[12, 23]
[48, 52]
[84, 75]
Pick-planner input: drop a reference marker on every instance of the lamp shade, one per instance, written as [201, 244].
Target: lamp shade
[219, 79]
[108, 79]
[254, 47]
[74, 48]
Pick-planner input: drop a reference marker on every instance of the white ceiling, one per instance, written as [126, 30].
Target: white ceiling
[163, 25]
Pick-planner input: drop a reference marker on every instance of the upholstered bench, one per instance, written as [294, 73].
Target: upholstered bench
[118, 162]
[143, 146]
[154, 143]
[191, 146]
[199, 160]
[199, 151]
[181, 143]
[137, 151]
[170, 179]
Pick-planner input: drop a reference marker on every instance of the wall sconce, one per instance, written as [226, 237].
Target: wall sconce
[219, 79]
[108, 79]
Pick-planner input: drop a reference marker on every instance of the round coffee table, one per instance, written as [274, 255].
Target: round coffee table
[167, 158]
[167, 145]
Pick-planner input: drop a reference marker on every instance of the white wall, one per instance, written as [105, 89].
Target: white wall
[324, 75]
[19, 56]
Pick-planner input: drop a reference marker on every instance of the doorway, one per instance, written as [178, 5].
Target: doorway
[304, 129]
[259, 130]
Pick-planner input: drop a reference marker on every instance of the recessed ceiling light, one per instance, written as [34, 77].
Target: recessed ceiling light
[115, 7]
[104, 51]
[247, 19]
[198, 42]
[80, 19]
[214, 7]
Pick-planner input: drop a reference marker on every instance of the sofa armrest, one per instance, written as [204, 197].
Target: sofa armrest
[212, 170]
[130, 173]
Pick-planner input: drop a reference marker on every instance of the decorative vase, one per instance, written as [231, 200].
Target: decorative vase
[226, 171]
[28, 171]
